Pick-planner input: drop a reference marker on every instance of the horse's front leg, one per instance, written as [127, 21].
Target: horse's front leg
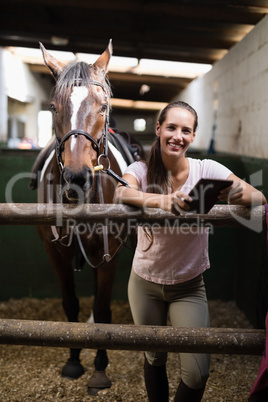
[102, 314]
[73, 368]
[60, 258]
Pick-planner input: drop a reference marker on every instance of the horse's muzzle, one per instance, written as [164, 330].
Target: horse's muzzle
[77, 185]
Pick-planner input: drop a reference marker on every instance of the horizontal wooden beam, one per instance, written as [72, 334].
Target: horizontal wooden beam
[222, 11]
[123, 48]
[60, 214]
[78, 33]
[179, 82]
[131, 337]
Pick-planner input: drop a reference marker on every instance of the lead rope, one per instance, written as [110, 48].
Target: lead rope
[122, 243]
[107, 256]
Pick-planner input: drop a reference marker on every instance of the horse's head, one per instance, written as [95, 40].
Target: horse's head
[80, 107]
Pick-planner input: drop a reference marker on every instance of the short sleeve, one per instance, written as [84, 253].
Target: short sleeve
[139, 171]
[215, 170]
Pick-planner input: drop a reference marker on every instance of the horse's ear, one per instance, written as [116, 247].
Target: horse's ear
[54, 65]
[103, 60]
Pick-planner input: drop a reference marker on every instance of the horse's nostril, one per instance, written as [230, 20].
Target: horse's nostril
[82, 179]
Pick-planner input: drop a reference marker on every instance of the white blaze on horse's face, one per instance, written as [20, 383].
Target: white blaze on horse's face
[78, 95]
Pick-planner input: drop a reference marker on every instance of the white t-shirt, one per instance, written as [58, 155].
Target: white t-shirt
[178, 253]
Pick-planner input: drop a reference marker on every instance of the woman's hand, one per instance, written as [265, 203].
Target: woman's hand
[232, 194]
[177, 202]
[241, 193]
[174, 202]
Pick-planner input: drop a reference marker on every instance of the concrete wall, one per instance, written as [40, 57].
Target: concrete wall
[236, 91]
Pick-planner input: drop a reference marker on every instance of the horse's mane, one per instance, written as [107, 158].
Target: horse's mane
[78, 74]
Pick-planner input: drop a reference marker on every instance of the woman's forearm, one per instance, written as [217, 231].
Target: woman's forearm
[138, 198]
[242, 193]
[250, 199]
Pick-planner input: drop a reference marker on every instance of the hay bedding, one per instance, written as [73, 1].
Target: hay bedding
[33, 373]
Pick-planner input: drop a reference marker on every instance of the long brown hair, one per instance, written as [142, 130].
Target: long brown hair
[157, 175]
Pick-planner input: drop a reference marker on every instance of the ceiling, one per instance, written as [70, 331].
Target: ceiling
[199, 31]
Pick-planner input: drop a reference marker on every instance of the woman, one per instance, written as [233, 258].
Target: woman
[166, 278]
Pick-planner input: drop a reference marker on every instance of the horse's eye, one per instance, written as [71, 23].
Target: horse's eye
[53, 108]
[103, 108]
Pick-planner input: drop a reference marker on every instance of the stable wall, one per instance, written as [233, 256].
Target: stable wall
[239, 267]
[18, 83]
[236, 91]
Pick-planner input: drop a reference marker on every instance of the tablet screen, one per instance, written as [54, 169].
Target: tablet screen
[205, 194]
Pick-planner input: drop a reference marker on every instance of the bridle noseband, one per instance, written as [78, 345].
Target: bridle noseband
[96, 144]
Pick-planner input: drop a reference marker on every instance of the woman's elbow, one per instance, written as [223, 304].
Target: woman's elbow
[258, 198]
[264, 200]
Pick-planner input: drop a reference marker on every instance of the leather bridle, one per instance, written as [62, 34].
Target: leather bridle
[96, 144]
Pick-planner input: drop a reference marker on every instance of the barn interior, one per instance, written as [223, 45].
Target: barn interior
[209, 53]
[218, 55]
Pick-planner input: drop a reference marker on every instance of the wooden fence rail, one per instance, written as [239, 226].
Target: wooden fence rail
[132, 337]
[58, 214]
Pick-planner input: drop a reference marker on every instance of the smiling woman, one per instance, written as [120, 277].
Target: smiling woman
[168, 266]
[175, 134]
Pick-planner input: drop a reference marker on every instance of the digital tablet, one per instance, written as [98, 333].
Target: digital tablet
[205, 194]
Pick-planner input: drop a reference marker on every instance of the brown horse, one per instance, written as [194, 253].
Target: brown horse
[76, 172]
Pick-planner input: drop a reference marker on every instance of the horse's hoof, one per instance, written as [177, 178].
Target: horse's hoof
[72, 370]
[97, 382]
[93, 391]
